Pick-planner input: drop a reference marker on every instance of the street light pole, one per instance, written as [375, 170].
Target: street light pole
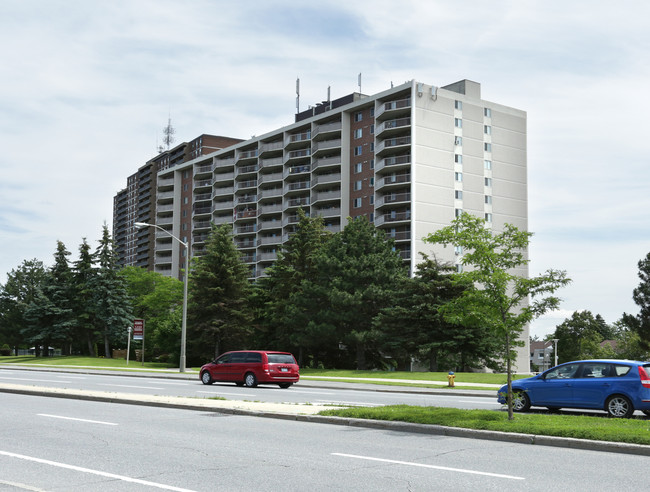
[555, 340]
[182, 362]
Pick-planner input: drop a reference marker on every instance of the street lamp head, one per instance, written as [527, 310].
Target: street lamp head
[140, 225]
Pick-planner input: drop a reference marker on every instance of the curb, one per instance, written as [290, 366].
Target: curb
[299, 415]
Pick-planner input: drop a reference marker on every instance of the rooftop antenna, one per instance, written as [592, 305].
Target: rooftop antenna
[359, 82]
[297, 95]
[168, 133]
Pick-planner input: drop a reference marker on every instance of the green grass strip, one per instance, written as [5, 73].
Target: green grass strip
[635, 431]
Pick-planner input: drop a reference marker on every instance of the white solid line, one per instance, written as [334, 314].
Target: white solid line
[460, 470]
[36, 380]
[131, 386]
[22, 486]
[220, 393]
[78, 420]
[94, 472]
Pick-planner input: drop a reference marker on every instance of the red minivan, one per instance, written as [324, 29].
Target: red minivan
[252, 367]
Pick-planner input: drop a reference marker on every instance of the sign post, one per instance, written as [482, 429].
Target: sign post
[128, 344]
[138, 334]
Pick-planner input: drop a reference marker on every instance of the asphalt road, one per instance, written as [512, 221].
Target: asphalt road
[51, 444]
[314, 392]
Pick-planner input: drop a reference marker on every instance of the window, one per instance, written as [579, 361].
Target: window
[458, 250]
[488, 164]
[372, 217]
[372, 199]
[357, 185]
[185, 187]
[458, 177]
[458, 194]
[372, 163]
[458, 104]
[358, 167]
[184, 226]
[487, 112]
[458, 140]
[358, 116]
[186, 174]
[458, 158]
[372, 146]
[458, 212]
[458, 123]
[356, 203]
[487, 129]
[488, 181]
[358, 150]
[372, 111]
[488, 200]
[358, 133]
[186, 200]
[372, 181]
[487, 147]
[372, 128]
[488, 218]
[184, 213]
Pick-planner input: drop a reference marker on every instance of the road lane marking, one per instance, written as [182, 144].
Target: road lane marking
[94, 472]
[37, 380]
[422, 465]
[218, 393]
[312, 392]
[76, 419]
[131, 386]
[22, 486]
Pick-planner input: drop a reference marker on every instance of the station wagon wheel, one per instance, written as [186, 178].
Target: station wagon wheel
[250, 380]
[619, 406]
[520, 401]
[206, 378]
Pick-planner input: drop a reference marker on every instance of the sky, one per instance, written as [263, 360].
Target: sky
[87, 87]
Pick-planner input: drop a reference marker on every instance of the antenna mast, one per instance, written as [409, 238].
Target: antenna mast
[168, 133]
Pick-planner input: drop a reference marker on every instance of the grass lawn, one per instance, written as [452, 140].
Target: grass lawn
[635, 431]
[82, 362]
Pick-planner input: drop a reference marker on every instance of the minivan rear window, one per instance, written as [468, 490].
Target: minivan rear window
[281, 359]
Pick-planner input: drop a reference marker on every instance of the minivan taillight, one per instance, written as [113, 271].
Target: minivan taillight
[645, 379]
[265, 368]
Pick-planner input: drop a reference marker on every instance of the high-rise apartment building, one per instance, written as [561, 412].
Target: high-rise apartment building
[137, 202]
[409, 159]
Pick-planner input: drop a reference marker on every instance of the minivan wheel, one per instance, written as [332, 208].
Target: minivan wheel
[284, 385]
[520, 401]
[250, 380]
[206, 378]
[619, 406]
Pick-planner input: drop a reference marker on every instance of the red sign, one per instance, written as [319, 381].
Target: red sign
[138, 329]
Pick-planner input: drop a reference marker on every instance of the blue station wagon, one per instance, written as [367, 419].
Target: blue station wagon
[619, 387]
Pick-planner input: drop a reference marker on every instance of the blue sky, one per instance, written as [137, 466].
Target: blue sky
[87, 87]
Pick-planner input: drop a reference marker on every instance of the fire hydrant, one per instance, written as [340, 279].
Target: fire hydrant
[451, 376]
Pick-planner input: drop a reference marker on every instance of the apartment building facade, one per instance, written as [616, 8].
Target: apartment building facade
[409, 159]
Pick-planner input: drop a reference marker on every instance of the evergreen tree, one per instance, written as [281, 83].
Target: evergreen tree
[641, 296]
[357, 274]
[50, 315]
[83, 277]
[218, 311]
[414, 326]
[285, 319]
[580, 336]
[112, 310]
[22, 287]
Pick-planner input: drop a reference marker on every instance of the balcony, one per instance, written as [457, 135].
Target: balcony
[202, 185]
[395, 126]
[224, 162]
[226, 190]
[297, 139]
[296, 186]
[269, 178]
[202, 211]
[324, 146]
[270, 193]
[397, 143]
[165, 182]
[222, 219]
[321, 179]
[327, 130]
[245, 243]
[245, 214]
[270, 147]
[243, 199]
[296, 203]
[394, 108]
[201, 197]
[393, 217]
[249, 154]
[160, 209]
[203, 170]
[250, 169]
[292, 171]
[269, 256]
[297, 155]
[223, 205]
[165, 196]
[269, 240]
[326, 162]
[325, 196]
[327, 212]
[162, 221]
[393, 180]
[392, 199]
[394, 162]
[267, 225]
[221, 179]
[201, 225]
[272, 162]
[247, 229]
[270, 209]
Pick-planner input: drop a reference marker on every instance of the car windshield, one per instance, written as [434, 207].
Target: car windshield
[281, 359]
